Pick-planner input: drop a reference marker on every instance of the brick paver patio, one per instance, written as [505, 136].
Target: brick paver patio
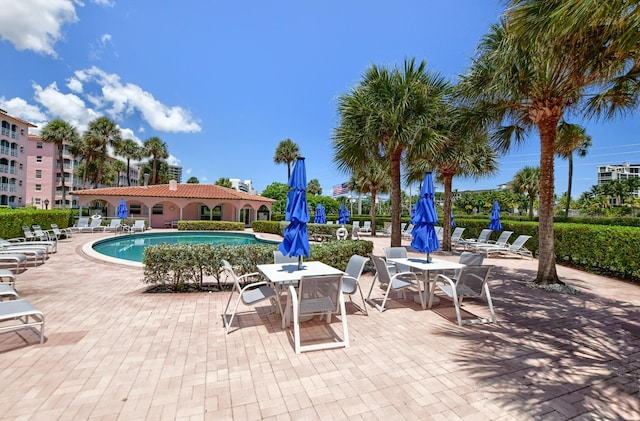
[114, 352]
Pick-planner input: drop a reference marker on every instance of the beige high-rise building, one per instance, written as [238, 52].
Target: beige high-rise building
[13, 160]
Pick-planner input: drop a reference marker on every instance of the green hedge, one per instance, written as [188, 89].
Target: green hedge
[181, 265]
[12, 220]
[600, 248]
[210, 226]
[277, 227]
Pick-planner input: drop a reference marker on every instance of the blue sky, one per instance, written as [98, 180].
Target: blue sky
[224, 82]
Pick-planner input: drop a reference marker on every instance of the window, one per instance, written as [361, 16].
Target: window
[158, 209]
[38, 159]
[38, 173]
[38, 187]
[20, 165]
[135, 209]
[38, 145]
[37, 201]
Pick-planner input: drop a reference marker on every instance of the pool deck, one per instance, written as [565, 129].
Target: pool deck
[114, 352]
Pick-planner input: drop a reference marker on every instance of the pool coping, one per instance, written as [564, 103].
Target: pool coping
[87, 248]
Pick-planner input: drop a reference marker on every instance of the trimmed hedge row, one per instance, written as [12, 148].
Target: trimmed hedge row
[612, 249]
[210, 226]
[181, 265]
[277, 227]
[12, 220]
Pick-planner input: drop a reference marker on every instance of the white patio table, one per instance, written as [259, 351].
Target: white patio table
[425, 267]
[281, 275]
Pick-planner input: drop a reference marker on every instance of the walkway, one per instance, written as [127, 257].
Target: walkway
[114, 352]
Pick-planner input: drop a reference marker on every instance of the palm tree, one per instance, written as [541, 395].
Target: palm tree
[118, 167]
[313, 187]
[571, 137]
[465, 153]
[372, 178]
[547, 58]
[287, 152]
[527, 181]
[103, 132]
[224, 182]
[129, 149]
[392, 112]
[155, 148]
[60, 133]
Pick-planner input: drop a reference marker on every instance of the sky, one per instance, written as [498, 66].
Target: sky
[223, 82]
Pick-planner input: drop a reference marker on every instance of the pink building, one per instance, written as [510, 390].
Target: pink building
[13, 160]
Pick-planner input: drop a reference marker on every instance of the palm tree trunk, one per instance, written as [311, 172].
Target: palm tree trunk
[446, 223]
[64, 192]
[128, 168]
[396, 199]
[153, 177]
[547, 126]
[566, 209]
[531, 200]
[373, 212]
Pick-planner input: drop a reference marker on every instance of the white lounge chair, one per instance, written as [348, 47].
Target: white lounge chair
[482, 238]
[7, 277]
[502, 241]
[366, 226]
[82, 222]
[15, 261]
[517, 248]
[456, 236]
[114, 225]
[19, 314]
[95, 225]
[138, 225]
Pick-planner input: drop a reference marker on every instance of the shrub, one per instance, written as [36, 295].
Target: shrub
[210, 226]
[12, 220]
[179, 265]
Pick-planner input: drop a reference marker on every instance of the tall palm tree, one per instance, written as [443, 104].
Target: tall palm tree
[547, 58]
[393, 112]
[571, 138]
[286, 153]
[373, 178]
[118, 167]
[129, 149]
[60, 133]
[103, 132]
[86, 150]
[155, 148]
[465, 153]
[527, 181]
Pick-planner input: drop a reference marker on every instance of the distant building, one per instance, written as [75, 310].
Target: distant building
[13, 160]
[609, 173]
[243, 186]
[176, 173]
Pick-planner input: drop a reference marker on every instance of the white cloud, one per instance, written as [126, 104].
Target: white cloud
[98, 48]
[36, 24]
[129, 134]
[124, 99]
[188, 171]
[68, 107]
[172, 160]
[20, 108]
[108, 3]
[75, 85]
[141, 129]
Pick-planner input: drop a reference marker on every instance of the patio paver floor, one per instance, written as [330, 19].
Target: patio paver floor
[114, 352]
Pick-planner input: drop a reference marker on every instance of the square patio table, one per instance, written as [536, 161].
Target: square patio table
[282, 275]
[423, 265]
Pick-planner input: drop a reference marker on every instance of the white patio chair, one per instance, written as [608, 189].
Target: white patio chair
[472, 282]
[517, 248]
[351, 281]
[366, 226]
[114, 225]
[318, 295]
[482, 238]
[502, 241]
[456, 236]
[82, 222]
[398, 282]
[250, 294]
[138, 225]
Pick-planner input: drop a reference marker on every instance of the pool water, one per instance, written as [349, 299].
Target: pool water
[131, 247]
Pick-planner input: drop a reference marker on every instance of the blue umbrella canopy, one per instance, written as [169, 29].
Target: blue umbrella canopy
[321, 215]
[424, 219]
[296, 238]
[343, 216]
[123, 212]
[453, 222]
[495, 217]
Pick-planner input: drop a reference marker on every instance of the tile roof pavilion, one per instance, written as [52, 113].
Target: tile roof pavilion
[180, 201]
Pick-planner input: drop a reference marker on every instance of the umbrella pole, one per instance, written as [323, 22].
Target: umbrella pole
[300, 262]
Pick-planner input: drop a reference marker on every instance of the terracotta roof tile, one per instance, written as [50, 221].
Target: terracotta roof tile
[184, 191]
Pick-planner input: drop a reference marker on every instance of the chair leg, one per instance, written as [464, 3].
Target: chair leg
[227, 324]
[343, 316]
[456, 304]
[488, 297]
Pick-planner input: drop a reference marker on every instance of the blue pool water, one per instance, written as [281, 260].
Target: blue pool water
[131, 247]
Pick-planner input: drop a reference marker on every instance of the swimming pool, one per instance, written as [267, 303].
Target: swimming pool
[131, 247]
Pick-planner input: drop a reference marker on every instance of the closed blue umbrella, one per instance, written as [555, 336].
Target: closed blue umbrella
[296, 238]
[321, 216]
[495, 217]
[343, 216]
[123, 212]
[453, 222]
[424, 219]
